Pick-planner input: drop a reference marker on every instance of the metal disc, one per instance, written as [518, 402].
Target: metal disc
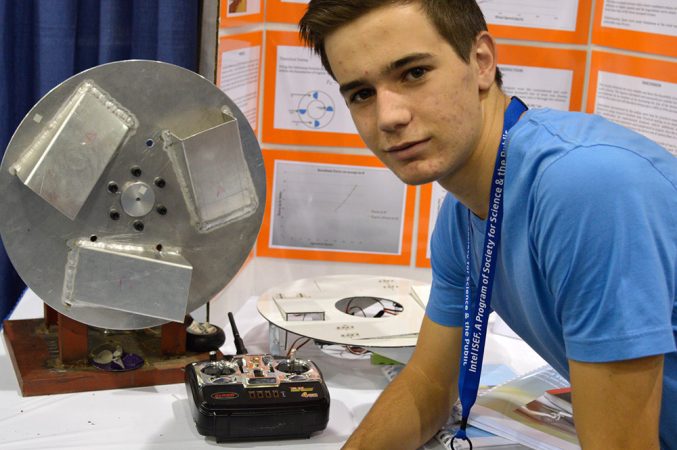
[138, 225]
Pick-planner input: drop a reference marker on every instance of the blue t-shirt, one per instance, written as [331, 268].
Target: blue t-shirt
[587, 266]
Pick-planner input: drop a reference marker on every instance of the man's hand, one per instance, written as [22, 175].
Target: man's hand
[418, 401]
[617, 404]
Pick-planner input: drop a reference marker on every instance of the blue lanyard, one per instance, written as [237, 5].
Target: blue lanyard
[475, 321]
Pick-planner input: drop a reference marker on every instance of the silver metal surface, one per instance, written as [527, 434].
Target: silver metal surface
[137, 199]
[127, 278]
[132, 193]
[71, 151]
[213, 175]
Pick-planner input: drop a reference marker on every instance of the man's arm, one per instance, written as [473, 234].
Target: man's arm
[418, 401]
[617, 404]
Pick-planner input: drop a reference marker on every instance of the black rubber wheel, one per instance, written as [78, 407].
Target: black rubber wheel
[204, 337]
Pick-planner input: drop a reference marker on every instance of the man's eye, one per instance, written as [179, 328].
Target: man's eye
[361, 95]
[415, 73]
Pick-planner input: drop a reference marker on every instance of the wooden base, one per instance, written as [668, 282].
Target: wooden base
[34, 347]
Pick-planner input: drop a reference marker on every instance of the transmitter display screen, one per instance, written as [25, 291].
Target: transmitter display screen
[266, 381]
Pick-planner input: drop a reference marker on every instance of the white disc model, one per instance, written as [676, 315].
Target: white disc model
[359, 310]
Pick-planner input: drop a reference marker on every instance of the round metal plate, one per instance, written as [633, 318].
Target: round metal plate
[161, 97]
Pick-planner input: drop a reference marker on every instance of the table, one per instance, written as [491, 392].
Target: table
[159, 416]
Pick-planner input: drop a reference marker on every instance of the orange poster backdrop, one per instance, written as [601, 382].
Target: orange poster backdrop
[640, 25]
[506, 18]
[236, 13]
[302, 104]
[285, 11]
[639, 93]
[335, 207]
[544, 58]
[238, 71]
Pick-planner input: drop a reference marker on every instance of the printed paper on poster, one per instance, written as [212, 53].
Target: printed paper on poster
[538, 87]
[243, 7]
[306, 97]
[550, 14]
[337, 208]
[638, 93]
[238, 72]
[648, 16]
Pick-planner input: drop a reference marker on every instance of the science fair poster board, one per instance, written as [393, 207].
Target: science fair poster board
[238, 71]
[542, 78]
[638, 93]
[302, 104]
[648, 26]
[335, 207]
[285, 11]
[563, 21]
[236, 13]
[545, 20]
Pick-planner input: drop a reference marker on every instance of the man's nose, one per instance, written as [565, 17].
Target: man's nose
[393, 111]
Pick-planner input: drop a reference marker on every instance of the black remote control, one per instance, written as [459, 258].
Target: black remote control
[256, 396]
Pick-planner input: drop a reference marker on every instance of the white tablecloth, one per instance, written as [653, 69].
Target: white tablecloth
[159, 416]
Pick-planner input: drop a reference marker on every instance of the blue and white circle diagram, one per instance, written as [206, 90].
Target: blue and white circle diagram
[316, 109]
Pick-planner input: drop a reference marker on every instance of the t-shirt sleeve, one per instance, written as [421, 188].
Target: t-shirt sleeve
[445, 305]
[605, 238]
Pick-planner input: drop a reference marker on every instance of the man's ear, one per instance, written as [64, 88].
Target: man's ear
[485, 57]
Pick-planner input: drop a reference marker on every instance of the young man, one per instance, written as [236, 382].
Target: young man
[585, 268]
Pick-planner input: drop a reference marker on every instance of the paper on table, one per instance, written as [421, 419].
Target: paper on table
[508, 410]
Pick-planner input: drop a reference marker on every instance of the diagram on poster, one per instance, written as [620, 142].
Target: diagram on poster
[237, 13]
[538, 87]
[243, 7]
[336, 208]
[315, 109]
[648, 16]
[306, 97]
[641, 104]
[549, 14]
[238, 77]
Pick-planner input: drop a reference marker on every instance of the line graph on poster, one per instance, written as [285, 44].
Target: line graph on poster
[337, 207]
[358, 310]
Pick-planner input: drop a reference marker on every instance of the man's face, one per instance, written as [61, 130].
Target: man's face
[415, 103]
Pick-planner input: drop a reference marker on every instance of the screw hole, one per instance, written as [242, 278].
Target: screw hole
[138, 225]
[150, 143]
[93, 238]
[161, 209]
[114, 215]
[136, 171]
[158, 247]
[112, 187]
[160, 182]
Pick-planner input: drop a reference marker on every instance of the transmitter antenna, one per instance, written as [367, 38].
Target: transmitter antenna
[240, 349]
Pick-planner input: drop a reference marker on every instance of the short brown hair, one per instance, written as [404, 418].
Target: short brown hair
[457, 21]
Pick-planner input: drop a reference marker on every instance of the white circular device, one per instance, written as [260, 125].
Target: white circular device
[131, 194]
[358, 310]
